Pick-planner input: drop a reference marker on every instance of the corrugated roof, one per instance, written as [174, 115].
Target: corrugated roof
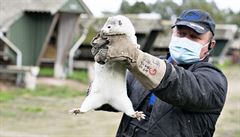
[12, 9]
[45, 5]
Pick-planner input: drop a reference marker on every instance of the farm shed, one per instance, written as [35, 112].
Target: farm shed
[29, 27]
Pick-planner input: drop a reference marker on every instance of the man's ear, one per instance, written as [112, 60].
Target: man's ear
[213, 44]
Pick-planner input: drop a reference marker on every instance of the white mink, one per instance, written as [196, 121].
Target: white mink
[109, 84]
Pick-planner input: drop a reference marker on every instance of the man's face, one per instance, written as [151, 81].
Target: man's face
[203, 39]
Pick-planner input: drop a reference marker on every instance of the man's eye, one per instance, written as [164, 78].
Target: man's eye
[181, 34]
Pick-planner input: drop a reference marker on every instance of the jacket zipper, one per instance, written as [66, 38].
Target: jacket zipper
[190, 128]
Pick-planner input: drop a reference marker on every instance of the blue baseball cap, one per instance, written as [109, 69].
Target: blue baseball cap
[200, 21]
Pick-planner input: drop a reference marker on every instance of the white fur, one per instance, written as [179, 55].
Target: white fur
[109, 85]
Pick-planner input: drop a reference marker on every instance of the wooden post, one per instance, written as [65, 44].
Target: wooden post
[66, 27]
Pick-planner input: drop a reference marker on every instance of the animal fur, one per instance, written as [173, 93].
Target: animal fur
[109, 85]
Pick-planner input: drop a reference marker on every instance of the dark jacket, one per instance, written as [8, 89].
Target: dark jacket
[188, 103]
[189, 100]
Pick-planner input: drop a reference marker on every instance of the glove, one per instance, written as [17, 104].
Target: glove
[149, 70]
[99, 48]
[102, 49]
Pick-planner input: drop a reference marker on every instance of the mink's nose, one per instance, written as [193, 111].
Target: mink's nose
[102, 33]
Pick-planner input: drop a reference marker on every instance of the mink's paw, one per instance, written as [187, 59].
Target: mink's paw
[75, 111]
[139, 115]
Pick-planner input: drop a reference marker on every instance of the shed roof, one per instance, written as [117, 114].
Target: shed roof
[10, 10]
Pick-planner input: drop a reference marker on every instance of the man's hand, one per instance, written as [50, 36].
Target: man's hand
[149, 70]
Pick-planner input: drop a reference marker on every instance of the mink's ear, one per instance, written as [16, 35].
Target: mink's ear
[119, 22]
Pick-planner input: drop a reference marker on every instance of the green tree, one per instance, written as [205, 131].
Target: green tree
[166, 8]
[125, 7]
[231, 17]
[210, 7]
[138, 7]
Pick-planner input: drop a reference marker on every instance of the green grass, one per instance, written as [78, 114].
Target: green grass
[80, 75]
[5, 96]
[61, 91]
[7, 113]
[41, 90]
[237, 133]
[47, 72]
[34, 109]
[226, 65]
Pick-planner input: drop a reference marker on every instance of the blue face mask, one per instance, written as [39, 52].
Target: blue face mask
[184, 50]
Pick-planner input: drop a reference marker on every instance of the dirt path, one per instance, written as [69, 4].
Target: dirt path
[61, 82]
[54, 119]
[49, 117]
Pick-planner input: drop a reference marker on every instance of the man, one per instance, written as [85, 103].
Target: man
[181, 96]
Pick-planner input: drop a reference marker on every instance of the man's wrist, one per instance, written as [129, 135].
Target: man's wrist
[148, 69]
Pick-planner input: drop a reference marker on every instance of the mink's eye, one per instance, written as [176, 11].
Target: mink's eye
[119, 22]
[109, 27]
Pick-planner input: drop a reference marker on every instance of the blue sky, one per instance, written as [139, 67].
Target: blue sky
[97, 6]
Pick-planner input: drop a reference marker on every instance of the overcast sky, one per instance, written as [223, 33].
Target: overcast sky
[97, 6]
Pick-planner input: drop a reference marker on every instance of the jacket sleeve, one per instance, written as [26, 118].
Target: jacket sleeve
[202, 88]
